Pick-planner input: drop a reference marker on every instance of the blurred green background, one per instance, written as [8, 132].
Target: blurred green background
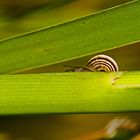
[21, 16]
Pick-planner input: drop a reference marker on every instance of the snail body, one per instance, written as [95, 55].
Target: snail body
[79, 69]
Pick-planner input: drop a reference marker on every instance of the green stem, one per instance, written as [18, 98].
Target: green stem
[70, 93]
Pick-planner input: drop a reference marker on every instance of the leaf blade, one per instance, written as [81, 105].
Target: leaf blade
[106, 30]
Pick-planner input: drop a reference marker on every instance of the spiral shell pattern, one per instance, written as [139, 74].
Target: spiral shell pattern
[102, 63]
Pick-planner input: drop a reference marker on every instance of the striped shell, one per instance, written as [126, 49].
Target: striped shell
[102, 63]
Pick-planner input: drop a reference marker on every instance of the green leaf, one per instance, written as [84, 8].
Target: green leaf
[95, 33]
[70, 93]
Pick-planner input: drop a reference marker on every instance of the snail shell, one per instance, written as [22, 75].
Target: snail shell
[102, 63]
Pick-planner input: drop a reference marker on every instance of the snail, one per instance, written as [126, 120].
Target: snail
[98, 63]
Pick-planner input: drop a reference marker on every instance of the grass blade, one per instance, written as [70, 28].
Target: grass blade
[95, 33]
